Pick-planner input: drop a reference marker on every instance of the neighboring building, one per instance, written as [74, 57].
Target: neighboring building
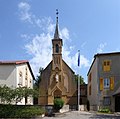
[15, 74]
[58, 80]
[83, 94]
[104, 81]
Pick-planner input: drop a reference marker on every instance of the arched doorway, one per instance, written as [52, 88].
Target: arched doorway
[57, 93]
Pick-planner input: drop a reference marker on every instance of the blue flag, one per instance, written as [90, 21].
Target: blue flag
[78, 58]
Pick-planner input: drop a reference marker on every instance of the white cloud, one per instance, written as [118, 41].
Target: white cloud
[84, 61]
[101, 47]
[26, 37]
[72, 61]
[64, 33]
[39, 46]
[45, 23]
[40, 50]
[25, 14]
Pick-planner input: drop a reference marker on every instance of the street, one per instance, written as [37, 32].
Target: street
[83, 115]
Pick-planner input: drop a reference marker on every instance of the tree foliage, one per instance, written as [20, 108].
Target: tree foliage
[36, 84]
[38, 78]
[58, 104]
[9, 95]
[80, 78]
[23, 92]
[6, 94]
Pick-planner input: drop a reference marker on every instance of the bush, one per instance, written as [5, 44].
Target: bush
[20, 111]
[104, 110]
[58, 104]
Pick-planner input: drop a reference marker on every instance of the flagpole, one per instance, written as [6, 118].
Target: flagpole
[78, 80]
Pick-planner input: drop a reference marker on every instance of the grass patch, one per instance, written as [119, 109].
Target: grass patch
[20, 111]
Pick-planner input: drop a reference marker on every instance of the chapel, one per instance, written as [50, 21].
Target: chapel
[58, 79]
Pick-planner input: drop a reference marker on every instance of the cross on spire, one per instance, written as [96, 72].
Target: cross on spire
[56, 34]
[57, 14]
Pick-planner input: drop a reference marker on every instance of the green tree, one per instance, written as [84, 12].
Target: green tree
[80, 78]
[58, 104]
[18, 94]
[9, 95]
[6, 94]
[38, 78]
[36, 84]
[24, 92]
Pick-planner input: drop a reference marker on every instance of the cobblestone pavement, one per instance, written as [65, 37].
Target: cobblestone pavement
[83, 115]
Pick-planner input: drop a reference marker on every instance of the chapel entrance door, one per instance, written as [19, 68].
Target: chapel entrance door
[57, 93]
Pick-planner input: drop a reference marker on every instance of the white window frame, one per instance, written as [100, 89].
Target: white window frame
[106, 83]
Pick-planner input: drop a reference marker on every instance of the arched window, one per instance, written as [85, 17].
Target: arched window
[57, 48]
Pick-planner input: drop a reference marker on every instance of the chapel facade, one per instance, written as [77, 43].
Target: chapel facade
[58, 79]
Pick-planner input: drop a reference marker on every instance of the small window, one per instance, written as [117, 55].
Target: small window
[106, 83]
[57, 48]
[90, 90]
[106, 101]
[106, 65]
[90, 77]
[20, 78]
[20, 74]
[26, 78]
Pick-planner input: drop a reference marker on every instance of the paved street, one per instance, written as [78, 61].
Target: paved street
[83, 115]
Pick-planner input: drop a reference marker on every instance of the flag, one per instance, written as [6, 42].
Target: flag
[78, 58]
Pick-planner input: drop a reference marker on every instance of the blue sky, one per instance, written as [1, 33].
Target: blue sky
[27, 27]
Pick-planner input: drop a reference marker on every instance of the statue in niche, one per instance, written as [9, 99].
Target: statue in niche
[57, 78]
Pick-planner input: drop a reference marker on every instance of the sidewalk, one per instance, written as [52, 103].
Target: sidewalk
[84, 112]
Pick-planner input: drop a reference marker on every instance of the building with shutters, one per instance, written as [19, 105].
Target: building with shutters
[104, 82]
[58, 80]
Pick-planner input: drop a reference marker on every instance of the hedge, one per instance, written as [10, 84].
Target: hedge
[20, 111]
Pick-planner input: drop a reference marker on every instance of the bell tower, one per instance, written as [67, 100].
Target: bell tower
[57, 48]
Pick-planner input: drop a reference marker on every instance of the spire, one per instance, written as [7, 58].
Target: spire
[56, 34]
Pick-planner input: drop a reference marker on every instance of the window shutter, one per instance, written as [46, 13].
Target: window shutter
[106, 65]
[101, 83]
[111, 83]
